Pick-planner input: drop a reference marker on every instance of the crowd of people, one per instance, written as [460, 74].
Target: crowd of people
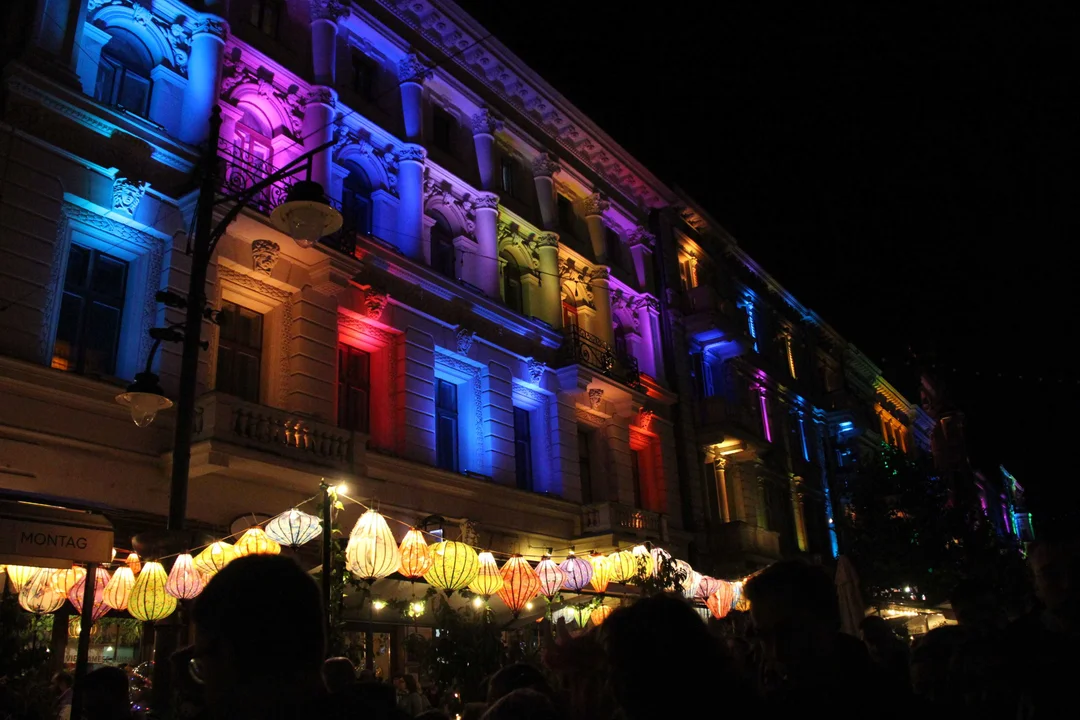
[651, 659]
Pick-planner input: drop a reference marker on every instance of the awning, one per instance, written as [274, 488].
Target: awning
[50, 536]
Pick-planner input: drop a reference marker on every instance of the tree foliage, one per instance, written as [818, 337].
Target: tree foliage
[465, 650]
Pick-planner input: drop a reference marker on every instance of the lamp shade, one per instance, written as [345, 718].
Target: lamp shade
[551, 577]
[600, 614]
[185, 581]
[691, 585]
[601, 572]
[294, 528]
[19, 575]
[706, 587]
[40, 595]
[134, 563]
[214, 558]
[577, 571]
[488, 579]
[101, 581]
[68, 578]
[659, 557]
[720, 602]
[255, 541]
[148, 600]
[644, 565]
[520, 583]
[372, 551]
[622, 566]
[453, 566]
[415, 555]
[118, 590]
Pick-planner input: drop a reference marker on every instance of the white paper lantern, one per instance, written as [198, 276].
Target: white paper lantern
[551, 577]
[41, 596]
[372, 551]
[294, 528]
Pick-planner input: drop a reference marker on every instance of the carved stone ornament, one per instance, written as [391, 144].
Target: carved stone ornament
[413, 153]
[486, 201]
[641, 236]
[375, 303]
[546, 240]
[645, 418]
[545, 165]
[485, 123]
[600, 273]
[412, 69]
[464, 338]
[596, 395]
[536, 370]
[322, 95]
[328, 10]
[595, 204]
[127, 195]
[211, 25]
[264, 255]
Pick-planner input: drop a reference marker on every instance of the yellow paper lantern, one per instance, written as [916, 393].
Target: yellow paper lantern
[453, 566]
[488, 578]
[118, 590]
[19, 575]
[520, 583]
[75, 628]
[415, 555]
[134, 563]
[551, 576]
[101, 581]
[148, 600]
[601, 572]
[600, 614]
[214, 558]
[372, 552]
[40, 595]
[622, 566]
[185, 581]
[255, 541]
[644, 565]
[68, 578]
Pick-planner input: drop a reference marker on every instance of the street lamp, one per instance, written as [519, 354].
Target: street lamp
[145, 398]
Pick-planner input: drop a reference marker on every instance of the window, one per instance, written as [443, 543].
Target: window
[511, 282]
[239, 357]
[569, 315]
[446, 425]
[88, 330]
[356, 201]
[566, 213]
[442, 248]
[635, 469]
[265, 15]
[254, 155]
[354, 388]
[124, 74]
[585, 466]
[443, 128]
[686, 272]
[365, 71]
[507, 168]
[613, 247]
[523, 449]
[699, 370]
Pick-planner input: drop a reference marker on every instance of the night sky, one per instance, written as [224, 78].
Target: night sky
[907, 172]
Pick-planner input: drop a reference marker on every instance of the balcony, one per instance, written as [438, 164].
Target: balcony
[715, 322]
[743, 543]
[583, 348]
[719, 418]
[242, 169]
[619, 519]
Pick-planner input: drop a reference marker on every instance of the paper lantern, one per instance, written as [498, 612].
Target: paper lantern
[581, 615]
[683, 568]
[622, 566]
[255, 541]
[577, 572]
[720, 602]
[644, 565]
[453, 566]
[372, 552]
[75, 628]
[118, 590]
[415, 555]
[185, 581]
[706, 588]
[294, 528]
[659, 557]
[40, 595]
[742, 603]
[691, 585]
[19, 575]
[520, 583]
[66, 579]
[551, 577]
[211, 560]
[148, 600]
[101, 581]
[133, 563]
[488, 578]
[601, 572]
[600, 614]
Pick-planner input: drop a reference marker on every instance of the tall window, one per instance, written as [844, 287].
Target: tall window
[585, 466]
[255, 154]
[356, 201]
[354, 387]
[511, 282]
[91, 310]
[446, 425]
[265, 15]
[124, 74]
[523, 449]
[443, 129]
[364, 73]
[635, 469]
[613, 247]
[565, 208]
[507, 168]
[239, 357]
[686, 272]
[442, 248]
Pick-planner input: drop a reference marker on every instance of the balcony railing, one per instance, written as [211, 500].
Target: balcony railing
[583, 348]
[242, 169]
[613, 517]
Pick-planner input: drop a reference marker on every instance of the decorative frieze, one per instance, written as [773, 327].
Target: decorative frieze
[596, 396]
[641, 236]
[595, 204]
[545, 165]
[464, 338]
[127, 194]
[485, 123]
[412, 69]
[264, 256]
[536, 370]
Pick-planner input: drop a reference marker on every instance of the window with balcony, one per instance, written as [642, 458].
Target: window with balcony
[124, 73]
[239, 357]
[266, 16]
[511, 282]
[442, 248]
[365, 73]
[354, 388]
[443, 129]
[252, 157]
[523, 465]
[356, 201]
[585, 470]
[507, 174]
[446, 425]
[91, 311]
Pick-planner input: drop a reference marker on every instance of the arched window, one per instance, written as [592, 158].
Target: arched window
[511, 282]
[124, 73]
[356, 200]
[254, 154]
[442, 248]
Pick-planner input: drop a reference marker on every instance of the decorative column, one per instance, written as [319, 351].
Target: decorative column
[738, 500]
[601, 299]
[318, 129]
[721, 488]
[410, 187]
[484, 126]
[649, 358]
[324, 17]
[486, 264]
[642, 243]
[204, 77]
[594, 206]
[411, 74]
[58, 29]
[549, 309]
[797, 508]
[544, 166]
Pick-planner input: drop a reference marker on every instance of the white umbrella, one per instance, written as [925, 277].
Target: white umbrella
[852, 608]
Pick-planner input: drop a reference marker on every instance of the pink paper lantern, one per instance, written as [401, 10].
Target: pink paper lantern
[75, 594]
[185, 581]
[551, 577]
[706, 588]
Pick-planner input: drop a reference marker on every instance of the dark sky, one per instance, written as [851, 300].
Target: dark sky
[907, 171]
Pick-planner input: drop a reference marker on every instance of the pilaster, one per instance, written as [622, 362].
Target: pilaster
[485, 263]
[204, 77]
[549, 309]
[410, 187]
[318, 129]
[484, 126]
[544, 167]
[324, 19]
[412, 71]
[417, 398]
[594, 206]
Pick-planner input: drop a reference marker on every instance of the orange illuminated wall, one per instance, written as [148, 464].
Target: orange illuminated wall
[650, 469]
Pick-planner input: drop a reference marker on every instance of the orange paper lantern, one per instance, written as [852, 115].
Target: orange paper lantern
[255, 541]
[720, 602]
[185, 581]
[600, 614]
[415, 555]
[101, 581]
[148, 600]
[520, 583]
[601, 572]
[214, 558]
[134, 563]
[118, 590]
[551, 576]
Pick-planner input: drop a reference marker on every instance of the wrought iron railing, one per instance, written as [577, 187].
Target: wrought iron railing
[242, 170]
[581, 347]
[615, 517]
